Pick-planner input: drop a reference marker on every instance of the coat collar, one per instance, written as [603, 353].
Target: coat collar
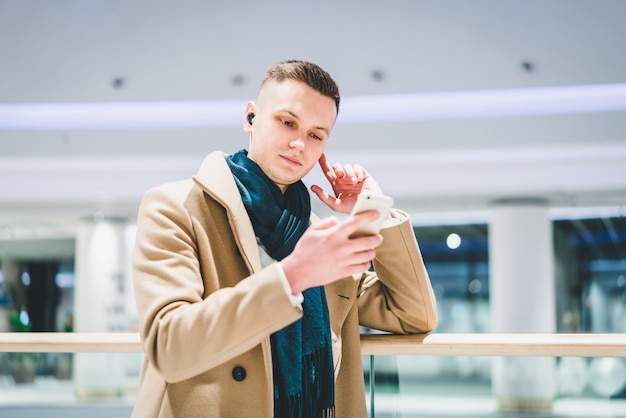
[216, 179]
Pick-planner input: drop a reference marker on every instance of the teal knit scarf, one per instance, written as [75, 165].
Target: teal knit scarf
[301, 352]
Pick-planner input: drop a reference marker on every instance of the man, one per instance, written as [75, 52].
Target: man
[250, 306]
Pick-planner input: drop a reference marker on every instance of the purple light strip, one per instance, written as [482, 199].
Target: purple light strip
[355, 109]
[136, 115]
[486, 104]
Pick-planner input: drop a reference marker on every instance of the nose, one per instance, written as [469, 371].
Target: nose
[297, 143]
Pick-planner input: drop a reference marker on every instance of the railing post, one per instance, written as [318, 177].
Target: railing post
[372, 386]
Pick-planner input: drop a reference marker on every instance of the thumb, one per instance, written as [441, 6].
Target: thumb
[322, 195]
[325, 223]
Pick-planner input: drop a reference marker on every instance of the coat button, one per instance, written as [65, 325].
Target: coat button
[239, 373]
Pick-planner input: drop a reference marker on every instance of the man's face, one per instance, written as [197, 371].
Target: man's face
[290, 129]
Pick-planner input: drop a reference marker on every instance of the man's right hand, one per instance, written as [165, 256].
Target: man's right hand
[326, 252]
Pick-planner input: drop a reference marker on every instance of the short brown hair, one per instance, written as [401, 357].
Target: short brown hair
[309, 73]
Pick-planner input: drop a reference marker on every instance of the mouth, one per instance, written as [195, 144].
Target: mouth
[291, 160]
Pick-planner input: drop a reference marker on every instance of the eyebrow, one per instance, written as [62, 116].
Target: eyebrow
[321, 128]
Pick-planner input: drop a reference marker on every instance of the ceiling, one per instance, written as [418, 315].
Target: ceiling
[438, 165]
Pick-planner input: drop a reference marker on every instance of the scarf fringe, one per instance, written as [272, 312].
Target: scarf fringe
[317, 398]
[296, 412]
[328, 412]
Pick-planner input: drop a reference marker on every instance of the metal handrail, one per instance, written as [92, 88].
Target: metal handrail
[439, 344]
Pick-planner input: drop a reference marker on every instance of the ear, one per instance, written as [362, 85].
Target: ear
[250, 108]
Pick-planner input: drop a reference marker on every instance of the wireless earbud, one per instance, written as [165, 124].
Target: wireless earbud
[250, 117]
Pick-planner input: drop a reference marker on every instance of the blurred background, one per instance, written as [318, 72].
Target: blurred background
[458, 108]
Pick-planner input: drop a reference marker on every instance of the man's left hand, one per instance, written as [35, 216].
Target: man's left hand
[347, 182]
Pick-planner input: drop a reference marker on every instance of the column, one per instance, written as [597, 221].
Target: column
[522, 298]
[99, 305]
[43, 295]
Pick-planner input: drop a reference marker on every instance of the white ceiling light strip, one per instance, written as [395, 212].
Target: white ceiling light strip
[132, 115]
[355, 109]
[485, 104]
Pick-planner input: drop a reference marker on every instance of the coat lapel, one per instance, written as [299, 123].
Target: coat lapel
[216, 179]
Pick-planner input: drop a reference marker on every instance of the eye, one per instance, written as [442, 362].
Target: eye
[287, 122]
[316, 137]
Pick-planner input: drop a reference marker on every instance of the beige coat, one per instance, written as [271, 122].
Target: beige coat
[207, 307]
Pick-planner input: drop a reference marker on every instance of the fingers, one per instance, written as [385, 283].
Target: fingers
[323, 163]
[326, 252]
[362, 218]
[352, 173]
[353, 255]
[327, 169]
[352, 223]
[325, 223]
[327, 199]
[346, 229]
[321, 193]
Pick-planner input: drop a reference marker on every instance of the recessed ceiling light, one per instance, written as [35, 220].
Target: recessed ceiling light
[238, 80]
[377, 75]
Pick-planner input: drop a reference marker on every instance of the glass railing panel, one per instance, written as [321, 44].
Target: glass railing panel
[463, 383]
[55, 385]
[478, 386]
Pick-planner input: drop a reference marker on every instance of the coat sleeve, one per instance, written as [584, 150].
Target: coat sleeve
[187, 329]
[398, 297]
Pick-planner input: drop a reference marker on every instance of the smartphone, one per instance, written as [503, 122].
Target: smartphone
[368, 201]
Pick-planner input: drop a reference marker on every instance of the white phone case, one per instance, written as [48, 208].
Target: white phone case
[368, 201]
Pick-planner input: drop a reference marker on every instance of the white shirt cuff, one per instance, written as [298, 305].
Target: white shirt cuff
[296, 300]
[396, 219]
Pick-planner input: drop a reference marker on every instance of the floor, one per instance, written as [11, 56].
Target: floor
[392, 406]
